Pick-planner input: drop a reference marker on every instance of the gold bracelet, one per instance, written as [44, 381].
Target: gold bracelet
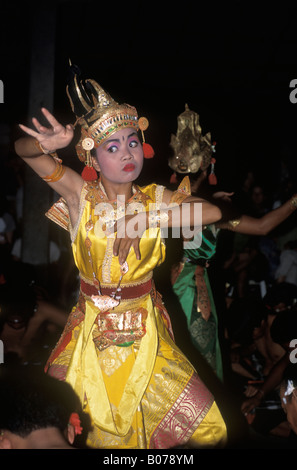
[57, 173]
[42, 150]
[293, 202]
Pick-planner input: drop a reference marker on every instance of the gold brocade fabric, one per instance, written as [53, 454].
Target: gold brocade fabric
[140, 395]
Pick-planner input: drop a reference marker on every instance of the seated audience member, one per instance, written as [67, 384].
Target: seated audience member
[280, 297]
[283, 331]
[287, 268]
[36, 411]
[16, 310]
[245, 327]
[28, 321]
[288, 395]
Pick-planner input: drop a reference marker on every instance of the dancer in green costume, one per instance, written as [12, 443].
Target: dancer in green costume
[192, 155]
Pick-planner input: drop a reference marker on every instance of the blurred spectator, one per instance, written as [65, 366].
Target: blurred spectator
[269, 419]
[287, 269]
[28, 320]
[288, 395]
[54, 251]
[7, 231]
[245, 327]
[259, 204]
[245, 263]
[36, 411]
[279, 298]
[16, 310]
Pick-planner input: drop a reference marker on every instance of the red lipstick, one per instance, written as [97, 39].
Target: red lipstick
[129, 167]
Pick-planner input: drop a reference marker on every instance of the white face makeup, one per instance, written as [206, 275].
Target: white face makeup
[120, 158]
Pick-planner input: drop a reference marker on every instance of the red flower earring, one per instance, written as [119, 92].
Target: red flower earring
[89, 173]
[148, 151]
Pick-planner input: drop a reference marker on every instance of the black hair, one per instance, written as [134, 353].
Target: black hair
[16, 301]
[290, 373]
[284, 327]
[243, 315]
[291, 245]
[283, 292]
[31, 400]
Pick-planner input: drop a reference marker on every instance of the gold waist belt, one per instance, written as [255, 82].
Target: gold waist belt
[120, 329]
[127, 321]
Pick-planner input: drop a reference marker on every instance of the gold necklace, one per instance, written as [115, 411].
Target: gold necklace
[103, 302]
[97, 194]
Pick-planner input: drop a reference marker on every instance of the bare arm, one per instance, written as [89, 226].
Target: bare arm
[186, 216]
[210, 212]
[253, 226]
[272, 381]
[51, 139]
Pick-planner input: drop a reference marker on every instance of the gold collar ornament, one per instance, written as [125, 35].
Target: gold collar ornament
[99, 116]
[191, 150]
[103, 302]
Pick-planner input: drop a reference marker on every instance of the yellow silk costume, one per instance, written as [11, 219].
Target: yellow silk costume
[137, 386]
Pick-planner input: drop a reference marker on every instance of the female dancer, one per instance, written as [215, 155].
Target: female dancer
[117, 349]
[192, 155]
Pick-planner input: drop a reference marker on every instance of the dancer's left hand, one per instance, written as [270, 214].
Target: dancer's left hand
[129, 230]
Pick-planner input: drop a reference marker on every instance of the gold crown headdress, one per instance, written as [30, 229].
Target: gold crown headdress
[191, 150]
[99, 116]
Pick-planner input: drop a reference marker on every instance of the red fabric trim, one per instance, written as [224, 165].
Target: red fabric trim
[127, 292]
[184, 416]
[61, 346]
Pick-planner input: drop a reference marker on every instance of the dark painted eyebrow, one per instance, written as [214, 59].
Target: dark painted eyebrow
[118, 140]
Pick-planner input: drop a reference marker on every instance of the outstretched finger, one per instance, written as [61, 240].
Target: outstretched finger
[40, 128]
[116, 246]
[123, 249]
[136, 248]
[29, 131]
[123, 253]
[51, 119]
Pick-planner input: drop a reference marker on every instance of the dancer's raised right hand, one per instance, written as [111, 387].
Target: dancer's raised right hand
[51, 138]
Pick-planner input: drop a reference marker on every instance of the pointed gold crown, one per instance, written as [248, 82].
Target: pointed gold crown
[98, 114]
[191, 150]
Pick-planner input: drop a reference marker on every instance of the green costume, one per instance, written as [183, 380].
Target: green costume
[194, 292]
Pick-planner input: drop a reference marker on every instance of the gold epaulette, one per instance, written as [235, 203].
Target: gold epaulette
[59, 213]
[182, 192]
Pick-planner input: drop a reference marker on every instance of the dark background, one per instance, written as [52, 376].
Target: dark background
[232, 62]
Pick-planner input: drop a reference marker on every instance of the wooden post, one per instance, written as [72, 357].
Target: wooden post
[37, 195]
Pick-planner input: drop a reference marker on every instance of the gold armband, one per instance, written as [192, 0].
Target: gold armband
[42, 150]
[234, 222]
[57, 173]
[293, 202]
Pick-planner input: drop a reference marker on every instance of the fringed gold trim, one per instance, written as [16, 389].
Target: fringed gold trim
[182, 192]
[59, 214]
